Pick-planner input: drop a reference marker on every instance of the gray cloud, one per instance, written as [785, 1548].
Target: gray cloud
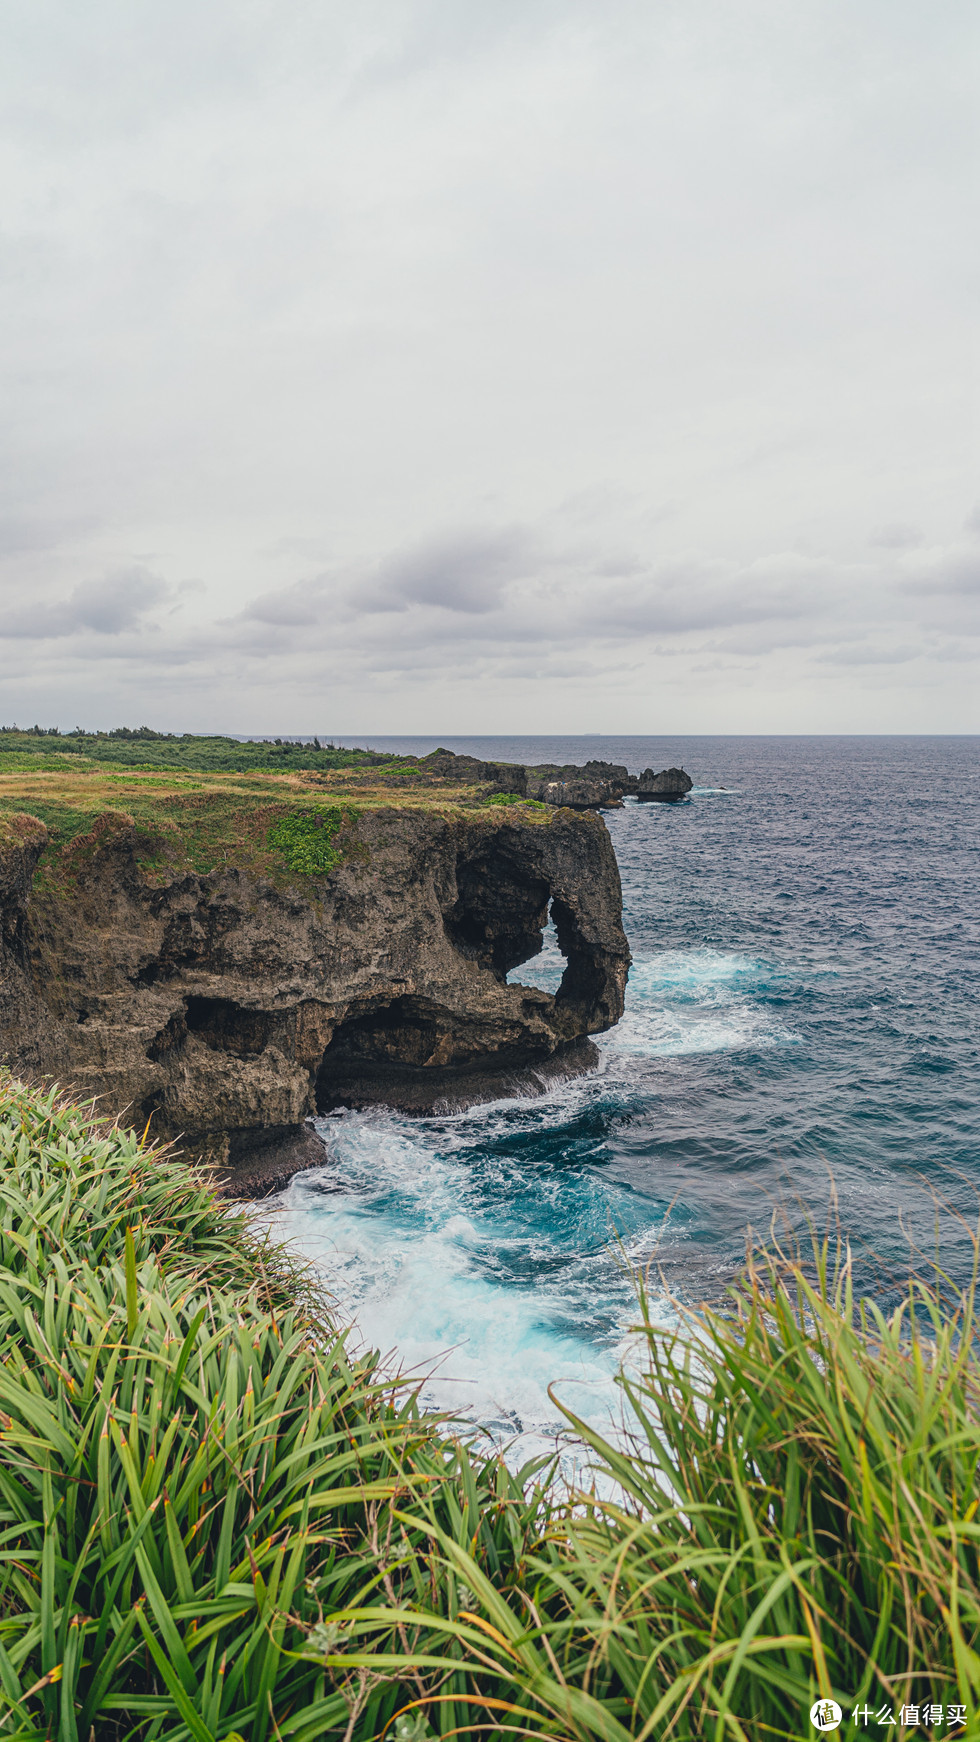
[897, 536]
[296, 607]
[527, 596]
[106, 607]
[522, 605]
[952, 571]
[961, 574]
[25, 532]
[867, 654]
[465, 571]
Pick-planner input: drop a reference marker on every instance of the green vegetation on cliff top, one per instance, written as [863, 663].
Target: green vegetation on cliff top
[218, 1524]
[269, 820]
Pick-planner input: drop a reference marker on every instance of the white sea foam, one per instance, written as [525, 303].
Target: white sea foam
[417, 1239]
[696, 971]
[678, 1002]
[696, 1001]
[666, 1034]
[477, 1251]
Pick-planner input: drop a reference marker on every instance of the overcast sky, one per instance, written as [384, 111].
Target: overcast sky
[541, 365]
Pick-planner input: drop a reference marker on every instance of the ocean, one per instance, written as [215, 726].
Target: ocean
[801, 1041]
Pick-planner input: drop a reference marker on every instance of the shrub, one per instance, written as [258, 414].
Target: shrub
[306, 839]
[509, 798]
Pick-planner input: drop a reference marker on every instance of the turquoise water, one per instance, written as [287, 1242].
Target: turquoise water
[802, 1019]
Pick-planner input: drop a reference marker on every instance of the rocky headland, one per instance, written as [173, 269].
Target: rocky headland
[158, 953]
[593, 786]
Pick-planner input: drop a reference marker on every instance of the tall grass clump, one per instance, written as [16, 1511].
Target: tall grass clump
[795, 1516]
[194, 1475]
[215, 1523]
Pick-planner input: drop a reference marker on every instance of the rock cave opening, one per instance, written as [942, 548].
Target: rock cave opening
[507, 914]
[220, 1023]
[225, 1026]
[507, 908]
[393, 1053]
[501, 907]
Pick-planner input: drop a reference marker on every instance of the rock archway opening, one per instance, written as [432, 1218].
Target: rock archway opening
[584, 980]
[509, 904]
[508, 914]
[501, 908]
[544, 968]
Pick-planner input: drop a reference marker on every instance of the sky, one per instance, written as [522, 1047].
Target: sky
[427, 366]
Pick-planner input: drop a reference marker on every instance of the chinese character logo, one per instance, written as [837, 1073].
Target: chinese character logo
[825, 1715]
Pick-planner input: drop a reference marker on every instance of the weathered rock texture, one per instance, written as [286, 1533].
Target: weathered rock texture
[590, 787]
[668, 786]
[594, 786]
[227, 1009]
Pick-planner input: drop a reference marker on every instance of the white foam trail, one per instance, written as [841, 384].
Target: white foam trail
[421, 1248]
[476, 1250]
[682, 1002]
[666, 1034]
[694, 970]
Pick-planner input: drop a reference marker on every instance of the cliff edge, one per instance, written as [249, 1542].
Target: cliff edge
[225, 1006]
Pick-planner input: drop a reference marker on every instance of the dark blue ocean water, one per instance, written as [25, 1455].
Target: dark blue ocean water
[803, 1018]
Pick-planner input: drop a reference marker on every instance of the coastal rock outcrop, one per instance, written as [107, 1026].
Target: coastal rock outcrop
[667, 787]
[593, 786]
[225, 1008]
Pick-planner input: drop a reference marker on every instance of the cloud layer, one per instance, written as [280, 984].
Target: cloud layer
[416, 367]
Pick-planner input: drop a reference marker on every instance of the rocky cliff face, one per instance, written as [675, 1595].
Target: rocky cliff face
[226, 1008]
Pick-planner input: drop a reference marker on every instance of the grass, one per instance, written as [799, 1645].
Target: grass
[199, 804]
[216, 1523]
[193, 1471]
[277, 825]
[144, 750]
[797, 1517]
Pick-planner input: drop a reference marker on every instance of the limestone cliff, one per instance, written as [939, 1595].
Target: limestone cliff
[226, 1007]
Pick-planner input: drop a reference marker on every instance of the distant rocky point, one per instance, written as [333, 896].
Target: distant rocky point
[593, 786]
[666, 787]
